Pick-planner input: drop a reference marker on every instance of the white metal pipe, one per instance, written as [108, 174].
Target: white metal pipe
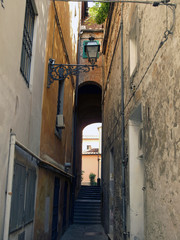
[9, 186]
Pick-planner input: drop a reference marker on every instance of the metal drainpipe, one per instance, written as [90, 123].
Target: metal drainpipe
[9, 186]
[123, 132]
[75, 133]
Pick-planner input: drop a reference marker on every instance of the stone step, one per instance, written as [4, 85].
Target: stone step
[87, 197]
[85, 218]
[87, 222]
[87, 209]
[88, 206]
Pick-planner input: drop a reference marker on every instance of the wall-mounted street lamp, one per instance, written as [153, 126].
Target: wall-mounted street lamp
[59, 72]
[92, 49]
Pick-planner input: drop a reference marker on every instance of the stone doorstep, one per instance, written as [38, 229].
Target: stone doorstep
[110, 236]
[93, 233]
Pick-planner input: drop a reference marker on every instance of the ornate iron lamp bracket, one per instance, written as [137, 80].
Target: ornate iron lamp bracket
[59, 72]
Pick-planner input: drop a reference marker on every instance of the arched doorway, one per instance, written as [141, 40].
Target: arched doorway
[88, 112]
[91, 154]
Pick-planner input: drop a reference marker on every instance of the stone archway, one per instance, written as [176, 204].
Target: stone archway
[88, 111]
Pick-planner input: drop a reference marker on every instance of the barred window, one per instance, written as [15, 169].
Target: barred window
[26, 53]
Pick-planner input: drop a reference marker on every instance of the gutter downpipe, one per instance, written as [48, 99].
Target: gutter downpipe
[123, 133]
[75, 133]
[9, 186]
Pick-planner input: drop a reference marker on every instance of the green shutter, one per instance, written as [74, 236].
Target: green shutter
[30, 195]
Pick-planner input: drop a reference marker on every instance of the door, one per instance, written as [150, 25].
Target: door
[136, 176]
[65, 205]
[111, 194]
[55, 209]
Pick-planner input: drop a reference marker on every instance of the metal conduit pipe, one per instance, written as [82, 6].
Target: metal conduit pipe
[75, 132]
[9, 186]
[123, 134]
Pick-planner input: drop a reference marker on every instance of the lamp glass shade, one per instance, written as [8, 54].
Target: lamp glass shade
[92, 49]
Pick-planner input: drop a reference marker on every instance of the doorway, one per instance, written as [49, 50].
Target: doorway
[91, 154]
[111, 194]
[55, 209]
[65, 205]
[136, 175]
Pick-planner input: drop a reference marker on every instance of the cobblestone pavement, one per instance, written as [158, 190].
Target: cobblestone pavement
[85, 232]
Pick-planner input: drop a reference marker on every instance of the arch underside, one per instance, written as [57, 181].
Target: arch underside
[88, 111]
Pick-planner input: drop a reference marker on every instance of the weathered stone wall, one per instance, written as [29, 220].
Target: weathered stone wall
[155, 85]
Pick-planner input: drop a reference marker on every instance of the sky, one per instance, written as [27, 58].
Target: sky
[91, 4]
[92, 129]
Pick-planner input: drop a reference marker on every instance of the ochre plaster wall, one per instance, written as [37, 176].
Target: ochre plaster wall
[45, 193]
[61, 46]
[59, 150]
[90, 165]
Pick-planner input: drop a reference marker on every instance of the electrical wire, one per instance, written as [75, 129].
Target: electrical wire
[62, 39]
[162, 2]
[53, 39]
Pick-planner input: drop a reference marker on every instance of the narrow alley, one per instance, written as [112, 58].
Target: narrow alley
[66, 67]
[85, 232]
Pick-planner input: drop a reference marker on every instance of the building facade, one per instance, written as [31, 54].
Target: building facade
[55, 185]
[91, 157]
[89, 87]
[33, 149]
[141, 122]
[23, 38]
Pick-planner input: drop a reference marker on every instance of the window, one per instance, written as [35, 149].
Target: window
[23, 194]
[26, 52]
[88, 147]
[60, 119]
[133, 54]
[2, 3]
[133, 45]
[30, 195]
[17, 210]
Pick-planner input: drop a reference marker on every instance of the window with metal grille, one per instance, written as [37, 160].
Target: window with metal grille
[26, 52]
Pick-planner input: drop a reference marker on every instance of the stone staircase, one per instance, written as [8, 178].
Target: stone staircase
[87, 209]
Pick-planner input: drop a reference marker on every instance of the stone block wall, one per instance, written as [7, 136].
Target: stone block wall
[153, 85]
